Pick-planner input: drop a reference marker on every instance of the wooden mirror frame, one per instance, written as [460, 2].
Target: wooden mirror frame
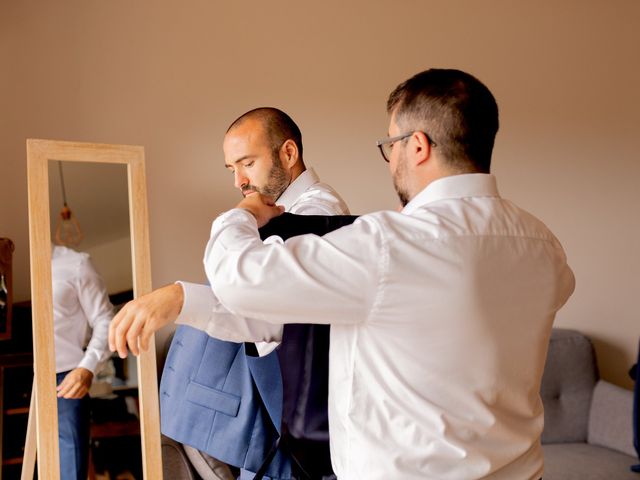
[39, 152]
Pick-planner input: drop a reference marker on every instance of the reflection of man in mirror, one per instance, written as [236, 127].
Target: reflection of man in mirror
[81, 315]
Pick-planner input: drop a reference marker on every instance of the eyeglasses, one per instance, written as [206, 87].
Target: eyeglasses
[386, 144]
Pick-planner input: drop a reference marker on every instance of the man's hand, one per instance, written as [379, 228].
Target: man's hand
[261, 207]
[142, 317]
[75, 384]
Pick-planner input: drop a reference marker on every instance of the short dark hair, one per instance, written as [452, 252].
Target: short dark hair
[279, 127]
[455, 109]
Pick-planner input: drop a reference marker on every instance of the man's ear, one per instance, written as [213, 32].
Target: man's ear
[420, 147]
[289, 153]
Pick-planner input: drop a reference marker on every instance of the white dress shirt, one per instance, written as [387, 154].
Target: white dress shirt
[306, 195]
[81, 310]
[440, 315]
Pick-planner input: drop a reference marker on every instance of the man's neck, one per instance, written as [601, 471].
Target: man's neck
[437, 172]
[297, 170]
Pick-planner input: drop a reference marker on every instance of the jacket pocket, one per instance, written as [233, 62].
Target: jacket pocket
[213, 399]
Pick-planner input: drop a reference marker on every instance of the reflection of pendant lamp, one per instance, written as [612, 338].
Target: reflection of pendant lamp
[68, 230]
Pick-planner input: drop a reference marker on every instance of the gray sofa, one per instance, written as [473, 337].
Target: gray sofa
[587, 434]
[588, 422]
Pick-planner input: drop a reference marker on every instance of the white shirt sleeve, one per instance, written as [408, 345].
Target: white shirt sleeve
[94, 301]
[307, 279]
[200, 303]
[202, 310]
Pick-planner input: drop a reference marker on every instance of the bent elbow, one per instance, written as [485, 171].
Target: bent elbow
[228, 294]
[227, 286]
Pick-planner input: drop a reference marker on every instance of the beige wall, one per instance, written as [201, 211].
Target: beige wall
[112, 260]
[172, 75]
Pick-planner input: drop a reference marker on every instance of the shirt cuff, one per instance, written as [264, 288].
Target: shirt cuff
[198, 304]
[90, 363]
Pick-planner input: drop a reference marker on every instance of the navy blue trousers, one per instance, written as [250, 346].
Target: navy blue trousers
[73, 435]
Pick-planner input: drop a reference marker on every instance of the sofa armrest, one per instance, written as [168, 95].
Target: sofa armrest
[175, 463]
[610, 418]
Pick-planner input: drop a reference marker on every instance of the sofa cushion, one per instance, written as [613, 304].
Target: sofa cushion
[580, 461]
[610, 423]
[570, 374]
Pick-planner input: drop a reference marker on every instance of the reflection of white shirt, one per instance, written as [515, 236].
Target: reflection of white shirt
[305, 196]
[81, 308]
[440, 318]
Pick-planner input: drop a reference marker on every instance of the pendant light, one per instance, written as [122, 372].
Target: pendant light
[68, 231]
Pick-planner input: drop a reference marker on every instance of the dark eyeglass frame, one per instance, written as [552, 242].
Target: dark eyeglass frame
[387, 143]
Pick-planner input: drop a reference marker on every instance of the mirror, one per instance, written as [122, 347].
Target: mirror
[91, 280]
[106, 238]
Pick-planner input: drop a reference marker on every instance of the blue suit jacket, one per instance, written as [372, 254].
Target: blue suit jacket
[219, 400]
[222, 401]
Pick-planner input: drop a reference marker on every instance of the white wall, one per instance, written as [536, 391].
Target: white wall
[113, 261]
[172, 75]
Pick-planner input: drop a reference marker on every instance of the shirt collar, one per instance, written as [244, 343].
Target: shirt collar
[455, 186]
[305, 180]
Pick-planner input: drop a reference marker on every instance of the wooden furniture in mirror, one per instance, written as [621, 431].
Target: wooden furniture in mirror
[6, 290]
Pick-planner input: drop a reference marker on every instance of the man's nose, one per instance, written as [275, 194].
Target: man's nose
[240, 180]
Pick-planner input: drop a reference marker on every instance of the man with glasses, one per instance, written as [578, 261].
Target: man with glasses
[440, 313]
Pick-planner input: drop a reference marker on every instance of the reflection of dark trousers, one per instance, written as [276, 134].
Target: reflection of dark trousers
[73, 435]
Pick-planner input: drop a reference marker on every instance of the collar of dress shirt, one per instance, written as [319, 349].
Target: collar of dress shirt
[59, 251]
[455, 186]
[297, 188]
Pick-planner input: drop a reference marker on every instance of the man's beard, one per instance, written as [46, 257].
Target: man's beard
[400, 181]
[277, 181]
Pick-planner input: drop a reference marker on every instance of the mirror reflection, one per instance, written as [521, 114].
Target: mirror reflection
[98, 416]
